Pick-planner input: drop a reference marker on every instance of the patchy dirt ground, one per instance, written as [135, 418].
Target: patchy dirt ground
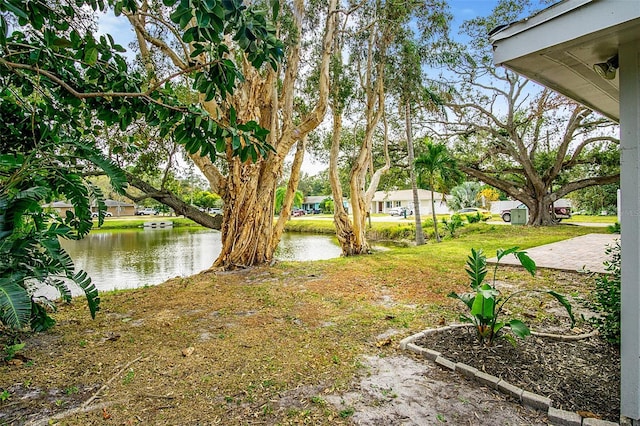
[401, 390]
[291, 344]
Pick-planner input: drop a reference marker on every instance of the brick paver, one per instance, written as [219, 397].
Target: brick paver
[582, 253]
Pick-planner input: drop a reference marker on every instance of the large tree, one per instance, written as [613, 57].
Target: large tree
[371, 38]
[212, 47]
[264, 96]
[513, 135]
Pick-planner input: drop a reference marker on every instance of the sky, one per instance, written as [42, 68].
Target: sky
[462, 10]
[121, 31]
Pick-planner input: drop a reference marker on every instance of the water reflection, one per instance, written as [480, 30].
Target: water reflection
[135, 258]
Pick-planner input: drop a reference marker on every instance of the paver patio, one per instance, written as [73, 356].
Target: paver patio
[584, 253]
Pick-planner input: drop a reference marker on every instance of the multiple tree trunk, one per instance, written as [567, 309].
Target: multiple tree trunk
[249, 231]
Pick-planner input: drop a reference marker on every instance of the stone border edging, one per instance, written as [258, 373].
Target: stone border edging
[556, 416]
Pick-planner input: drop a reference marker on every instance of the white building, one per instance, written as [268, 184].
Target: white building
[589, 50]
[383, 201]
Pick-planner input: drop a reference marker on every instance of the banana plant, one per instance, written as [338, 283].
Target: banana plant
[485, 302]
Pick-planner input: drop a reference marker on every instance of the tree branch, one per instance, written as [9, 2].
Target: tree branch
[179, 206]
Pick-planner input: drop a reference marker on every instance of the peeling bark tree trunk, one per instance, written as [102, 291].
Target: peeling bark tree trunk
[249, 234]
[353, 234]
[344, 229]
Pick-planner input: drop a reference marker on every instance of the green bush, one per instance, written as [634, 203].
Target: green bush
[607, 297]
[452, 225]
[473, 218]
[31, 256]
[615, 228]
[485, 302]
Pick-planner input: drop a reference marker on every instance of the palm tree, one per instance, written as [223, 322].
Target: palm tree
[436, 167]
[281, 191]
[465, 195]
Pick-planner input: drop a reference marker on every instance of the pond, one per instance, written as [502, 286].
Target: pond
[135, 258]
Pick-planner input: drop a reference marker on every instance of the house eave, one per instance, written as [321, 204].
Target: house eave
[559, 46]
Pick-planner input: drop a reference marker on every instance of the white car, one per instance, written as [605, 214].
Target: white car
[149, 211]
[106, 214]
[400, 211]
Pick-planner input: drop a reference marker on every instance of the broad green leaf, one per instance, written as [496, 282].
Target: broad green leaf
[526, 262]
[220, 145]
[15, 10]
[466, 298]
[91, 55]
[564, 302]
[484, 307]
[15, 303]
[519, 328]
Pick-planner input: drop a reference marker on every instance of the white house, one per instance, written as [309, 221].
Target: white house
[383, 201]
[589, 50]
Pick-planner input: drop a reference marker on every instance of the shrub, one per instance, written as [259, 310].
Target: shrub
[615, 228]
[452, 225]
[473, 218]
[607, 297]
[485, 302]
[30, 253]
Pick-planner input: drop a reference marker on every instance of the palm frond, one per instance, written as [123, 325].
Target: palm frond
[15, 303]
[62, 287]
[114, 173]
[91, 292]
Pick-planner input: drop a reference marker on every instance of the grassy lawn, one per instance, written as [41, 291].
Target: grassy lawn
[580, 218]
[269, 343]
[138, 221]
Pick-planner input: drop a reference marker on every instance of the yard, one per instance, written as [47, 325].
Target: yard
[268, 345]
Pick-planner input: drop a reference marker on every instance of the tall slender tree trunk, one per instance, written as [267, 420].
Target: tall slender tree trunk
[433, 215]
[412, 175]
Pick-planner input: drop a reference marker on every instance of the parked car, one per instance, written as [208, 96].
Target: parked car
[563, 212]
[400, 211]
[297, 212]
[484, 214]
[214, 211]
[106, 214]
[148, 211]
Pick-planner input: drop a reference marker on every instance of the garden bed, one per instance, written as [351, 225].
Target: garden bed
[581, 376]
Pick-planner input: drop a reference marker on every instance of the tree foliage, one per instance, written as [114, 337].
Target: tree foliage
[43, 160]
[467, 194]
[534, 145]
[436, 168]
[53, 54]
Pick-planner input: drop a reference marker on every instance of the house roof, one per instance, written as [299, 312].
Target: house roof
[313, 199]
[114, 203]
[404, 194]
[559, 46]
[58, 205]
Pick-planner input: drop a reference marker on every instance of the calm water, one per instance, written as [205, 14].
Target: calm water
[135, 258]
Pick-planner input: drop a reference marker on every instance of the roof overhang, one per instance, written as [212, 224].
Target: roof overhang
[559, 46]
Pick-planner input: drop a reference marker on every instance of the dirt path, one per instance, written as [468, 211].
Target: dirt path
[400, 390]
